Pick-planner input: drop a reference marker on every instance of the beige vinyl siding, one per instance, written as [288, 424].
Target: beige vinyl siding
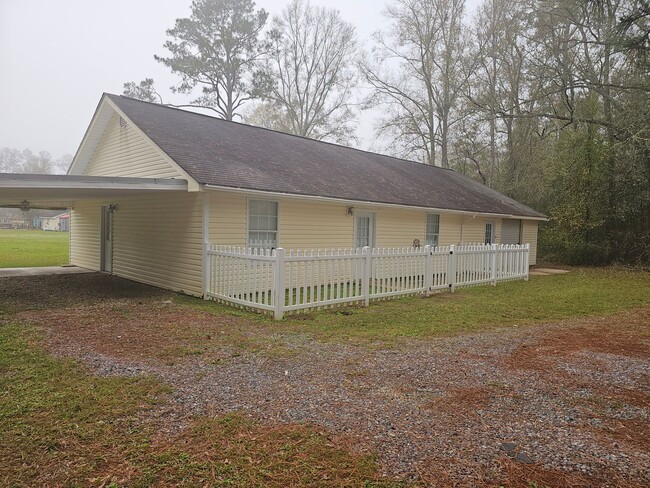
[301, 224]
[227, 216]
[85, 232]
[473, 229]
[450, 229]
[529, 236]
[157, 239]
[400, 227]
[313, 225]
[122, 151]
[304, 224]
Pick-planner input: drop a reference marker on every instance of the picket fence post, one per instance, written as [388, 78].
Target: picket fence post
[494, 264]
[279, 287]
[527, 261]
[367, 268]
[451, 269]
[428, 270]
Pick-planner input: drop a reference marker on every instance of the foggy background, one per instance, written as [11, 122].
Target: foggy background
[58, 57]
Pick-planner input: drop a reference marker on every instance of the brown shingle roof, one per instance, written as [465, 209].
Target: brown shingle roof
[230, 154]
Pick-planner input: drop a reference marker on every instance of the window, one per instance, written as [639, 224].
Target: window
[364, 233]
[262, 224]
[489, 232]
[432, 236]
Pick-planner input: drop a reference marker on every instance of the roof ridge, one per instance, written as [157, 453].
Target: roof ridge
[365, 151]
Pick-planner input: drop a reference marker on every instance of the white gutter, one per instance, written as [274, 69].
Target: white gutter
[273, 194]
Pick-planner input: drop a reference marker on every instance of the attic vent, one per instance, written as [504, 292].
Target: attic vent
[122, 123]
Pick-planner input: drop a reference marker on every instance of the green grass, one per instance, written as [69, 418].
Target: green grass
[27, 248]
[64, 427]
[583, 292]
[59, 425]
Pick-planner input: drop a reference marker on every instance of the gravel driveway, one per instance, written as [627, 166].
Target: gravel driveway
[568, 401]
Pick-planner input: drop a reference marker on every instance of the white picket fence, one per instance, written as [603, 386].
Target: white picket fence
[282, 281]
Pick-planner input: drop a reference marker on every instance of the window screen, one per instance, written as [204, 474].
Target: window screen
[432, 236]
[262, 224]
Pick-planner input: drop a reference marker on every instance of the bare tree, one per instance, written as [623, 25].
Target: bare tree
[309, 76]
[419, 72]
[217, 48]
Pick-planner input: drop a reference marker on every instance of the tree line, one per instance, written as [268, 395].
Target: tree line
[14, 160]
[546, 101]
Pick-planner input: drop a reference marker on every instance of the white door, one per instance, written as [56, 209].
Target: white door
[107, 240]
[364, 229]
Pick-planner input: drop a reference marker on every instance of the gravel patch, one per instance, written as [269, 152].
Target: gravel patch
[453, 401]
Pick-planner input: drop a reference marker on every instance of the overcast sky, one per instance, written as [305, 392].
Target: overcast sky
[58, 56]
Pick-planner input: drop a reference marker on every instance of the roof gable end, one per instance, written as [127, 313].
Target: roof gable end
[115, 146]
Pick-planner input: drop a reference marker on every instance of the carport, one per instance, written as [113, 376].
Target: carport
[61, 191]
[29, 191]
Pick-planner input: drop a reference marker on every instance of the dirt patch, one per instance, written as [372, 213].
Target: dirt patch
[131, 329]
[469, 400]
[625, 334]
[60, 291]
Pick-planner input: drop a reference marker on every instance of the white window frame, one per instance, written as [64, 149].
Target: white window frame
[435, 242]
[248, 226]
[373, 226]
[493, 232]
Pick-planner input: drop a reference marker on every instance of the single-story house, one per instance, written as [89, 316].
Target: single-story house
[150, 184]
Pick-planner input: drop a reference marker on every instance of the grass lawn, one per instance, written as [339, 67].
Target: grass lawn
[582, 292]
[26, 248]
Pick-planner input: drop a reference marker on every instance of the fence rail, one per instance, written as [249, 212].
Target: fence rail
[281, 281]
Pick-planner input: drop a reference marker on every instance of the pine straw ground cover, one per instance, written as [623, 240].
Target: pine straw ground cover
[237, 399]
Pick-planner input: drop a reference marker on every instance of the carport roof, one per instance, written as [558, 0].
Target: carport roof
[61, 191]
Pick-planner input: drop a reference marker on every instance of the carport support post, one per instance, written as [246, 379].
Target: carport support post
[279, 292]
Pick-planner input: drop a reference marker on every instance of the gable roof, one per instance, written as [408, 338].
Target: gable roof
[229, 154]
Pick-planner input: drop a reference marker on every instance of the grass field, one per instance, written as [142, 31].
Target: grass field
[27, 248]
[582, 292]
